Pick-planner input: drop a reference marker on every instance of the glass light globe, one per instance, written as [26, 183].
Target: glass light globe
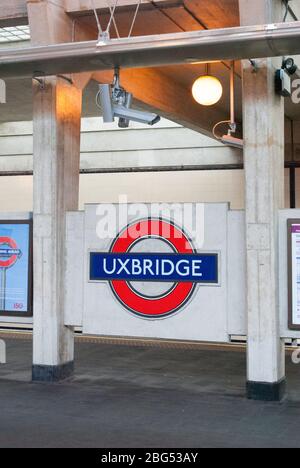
[207, 90]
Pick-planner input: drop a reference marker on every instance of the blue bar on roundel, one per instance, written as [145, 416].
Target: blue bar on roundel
[160, 267]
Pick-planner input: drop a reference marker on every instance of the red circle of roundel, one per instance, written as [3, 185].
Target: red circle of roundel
[179, 295]
[12, 260]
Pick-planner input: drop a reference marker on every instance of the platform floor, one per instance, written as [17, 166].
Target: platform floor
[140, 396]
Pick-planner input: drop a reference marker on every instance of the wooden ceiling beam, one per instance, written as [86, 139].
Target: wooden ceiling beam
[84, 7]
[215, 14]
[13, 13]
[209, 14]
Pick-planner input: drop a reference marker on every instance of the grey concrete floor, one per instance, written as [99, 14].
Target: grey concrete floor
[123, 396]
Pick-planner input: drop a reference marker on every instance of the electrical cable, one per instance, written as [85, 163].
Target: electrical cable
[217, 125]
[98, 100]
[231, 122]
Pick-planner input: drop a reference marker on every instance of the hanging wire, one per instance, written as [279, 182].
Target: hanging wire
[112, 10]
[289, 10]
[286, 2]
[112, 13]
[113, 19]
[100, 30]
[134, 18]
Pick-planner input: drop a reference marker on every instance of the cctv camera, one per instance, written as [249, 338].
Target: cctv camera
[283, 80]
[232, 141]
[116, 102]
[137, 116]
[283, 83]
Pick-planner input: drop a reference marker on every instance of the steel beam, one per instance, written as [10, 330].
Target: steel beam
[150, 51]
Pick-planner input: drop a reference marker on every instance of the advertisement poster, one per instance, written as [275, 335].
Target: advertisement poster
[16, 268]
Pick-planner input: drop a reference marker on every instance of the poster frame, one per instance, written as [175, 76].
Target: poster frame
[29, 312]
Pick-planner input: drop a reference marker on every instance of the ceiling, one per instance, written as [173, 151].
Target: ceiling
[19, 92]
[153, 18]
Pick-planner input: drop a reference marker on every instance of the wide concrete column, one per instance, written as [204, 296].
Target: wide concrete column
[56, 122]
[263, 122]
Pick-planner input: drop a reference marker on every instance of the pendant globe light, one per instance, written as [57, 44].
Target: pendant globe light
[207, 90]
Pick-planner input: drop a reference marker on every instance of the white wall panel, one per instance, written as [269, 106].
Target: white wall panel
[74, 268]
[204, 318]
[236, 270]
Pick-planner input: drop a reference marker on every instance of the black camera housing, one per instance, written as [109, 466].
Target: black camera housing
[289, 66]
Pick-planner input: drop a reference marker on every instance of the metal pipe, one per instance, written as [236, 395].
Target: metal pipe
[141, 169]
[182, 168]
[232, 101]
[149, 51]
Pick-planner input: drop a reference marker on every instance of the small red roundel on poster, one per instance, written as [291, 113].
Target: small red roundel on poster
[9, 252]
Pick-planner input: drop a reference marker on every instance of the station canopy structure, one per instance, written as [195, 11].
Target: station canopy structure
[169, 45]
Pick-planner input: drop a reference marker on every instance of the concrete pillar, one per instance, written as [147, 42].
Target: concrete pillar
[263, 121]
[56, 121]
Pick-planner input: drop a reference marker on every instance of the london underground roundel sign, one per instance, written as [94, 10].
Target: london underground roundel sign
[9, 252]
[178, 266]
